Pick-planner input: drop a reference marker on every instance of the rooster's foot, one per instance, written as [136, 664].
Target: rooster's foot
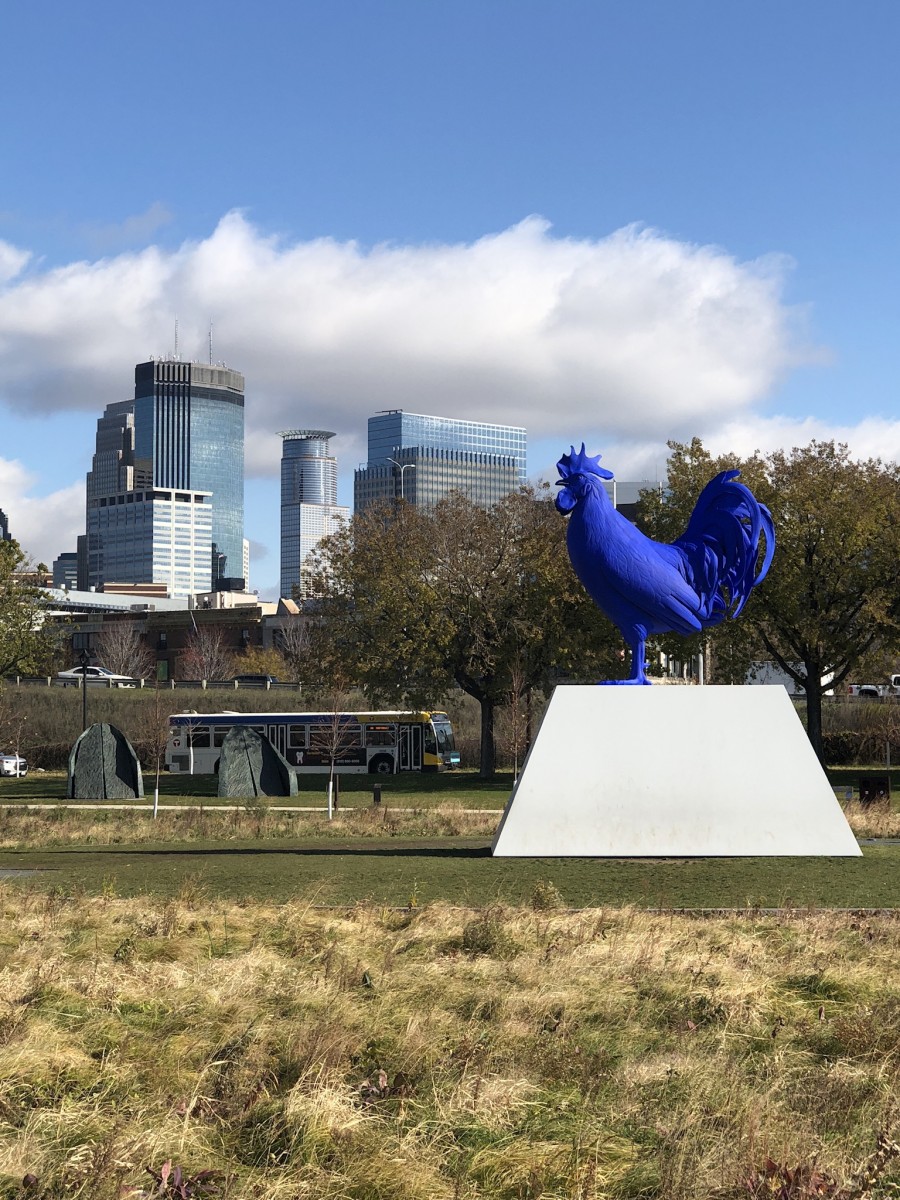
[623, 682]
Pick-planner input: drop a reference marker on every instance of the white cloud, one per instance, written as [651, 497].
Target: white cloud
[620, 336]
[645, 459]
[43, 526]
[870, 437]
[12, 261]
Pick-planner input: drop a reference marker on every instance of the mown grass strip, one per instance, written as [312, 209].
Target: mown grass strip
[398, 871]
[355, 791]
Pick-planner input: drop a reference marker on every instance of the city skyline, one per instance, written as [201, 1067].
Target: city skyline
[134, 521]
[625, 222]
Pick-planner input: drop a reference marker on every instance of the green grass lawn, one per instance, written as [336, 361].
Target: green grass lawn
[343, 868]
[399, 791]
[460, 870]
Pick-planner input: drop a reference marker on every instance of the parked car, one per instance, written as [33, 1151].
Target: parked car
[255, 680]
[98, 675]
[13, 764]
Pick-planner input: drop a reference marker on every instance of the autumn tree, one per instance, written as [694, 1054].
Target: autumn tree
[122, 650]
[259, 660]
[833, 591]
[25, 642]
[374, 608]
[414, 602]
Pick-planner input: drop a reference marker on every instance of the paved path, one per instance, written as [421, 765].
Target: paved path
[211, 807]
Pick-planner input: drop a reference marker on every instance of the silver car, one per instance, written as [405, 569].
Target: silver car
[96, 675]
[13, 764]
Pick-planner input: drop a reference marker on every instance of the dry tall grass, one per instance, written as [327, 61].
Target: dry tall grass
[44, 826]
[442, 1052]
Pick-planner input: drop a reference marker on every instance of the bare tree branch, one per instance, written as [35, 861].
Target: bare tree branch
[121, 649]
[206, 656]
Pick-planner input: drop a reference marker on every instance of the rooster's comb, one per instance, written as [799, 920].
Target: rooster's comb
[578, 462]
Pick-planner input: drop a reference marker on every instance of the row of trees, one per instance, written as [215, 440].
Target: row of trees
[411, 603]
[206, 655]
[121, 647]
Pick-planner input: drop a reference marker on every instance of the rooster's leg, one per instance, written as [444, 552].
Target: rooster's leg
[638, 661]
[638, 647]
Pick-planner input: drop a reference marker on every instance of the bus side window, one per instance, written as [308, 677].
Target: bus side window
[260, 729]
[198, 735]
[219, 734]
[430, 741]
[297, 737]
[380, 735]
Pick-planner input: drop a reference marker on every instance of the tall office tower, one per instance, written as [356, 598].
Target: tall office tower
[309, 507]
[5, 535]
[189, 436]
[422, 458]
[111, 473]
[165, 493]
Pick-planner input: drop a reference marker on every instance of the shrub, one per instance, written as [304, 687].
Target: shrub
[546, 895]
[487, 934]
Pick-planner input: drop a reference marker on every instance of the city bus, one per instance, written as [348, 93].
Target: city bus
[380, 743]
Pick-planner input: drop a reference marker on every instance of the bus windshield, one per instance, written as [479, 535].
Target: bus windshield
[444, 731]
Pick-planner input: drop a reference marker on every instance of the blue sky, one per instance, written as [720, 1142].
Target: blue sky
[618, 221]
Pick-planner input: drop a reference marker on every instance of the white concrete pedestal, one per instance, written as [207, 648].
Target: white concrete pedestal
[669, 771]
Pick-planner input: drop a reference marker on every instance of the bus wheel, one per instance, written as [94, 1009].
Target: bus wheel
[381, 765]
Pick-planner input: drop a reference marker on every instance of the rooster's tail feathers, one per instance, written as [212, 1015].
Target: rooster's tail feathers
[722, 545]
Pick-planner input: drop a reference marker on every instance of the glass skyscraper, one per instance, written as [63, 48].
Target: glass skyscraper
[421, 458]
[165, 493]
[189, 433]
[309, 507]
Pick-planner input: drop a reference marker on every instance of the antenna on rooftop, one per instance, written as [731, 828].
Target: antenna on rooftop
[176, 338]
[210, 343]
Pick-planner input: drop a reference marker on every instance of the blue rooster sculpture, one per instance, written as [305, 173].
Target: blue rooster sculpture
[648, 587]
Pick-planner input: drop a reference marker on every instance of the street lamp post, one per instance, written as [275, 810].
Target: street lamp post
[402, 467]
[84, 658]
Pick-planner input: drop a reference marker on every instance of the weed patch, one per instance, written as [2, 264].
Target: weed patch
[278, 1050]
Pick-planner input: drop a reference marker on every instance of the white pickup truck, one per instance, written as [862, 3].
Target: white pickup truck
[875, 690]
